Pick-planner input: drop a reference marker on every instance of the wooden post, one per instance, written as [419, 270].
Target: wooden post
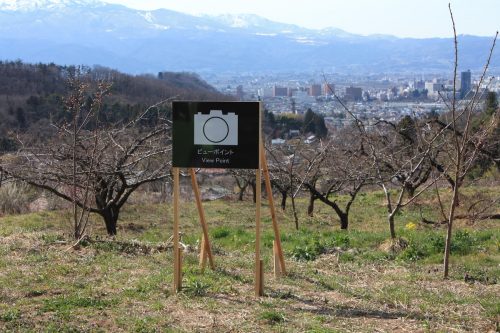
[261, 277]
[177, 255]
[206, 243]
[258, 266]
[276, 261]
[269, 190]
[179, 271]
[259, 269]
[203, 254]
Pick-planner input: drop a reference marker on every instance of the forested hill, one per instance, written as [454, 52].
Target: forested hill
[31, 95]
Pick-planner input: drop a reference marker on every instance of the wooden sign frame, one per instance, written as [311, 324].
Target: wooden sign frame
[205, 248]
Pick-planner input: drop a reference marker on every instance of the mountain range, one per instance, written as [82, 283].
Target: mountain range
[92, 32]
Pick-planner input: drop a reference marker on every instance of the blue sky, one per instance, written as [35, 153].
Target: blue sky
[403, 18]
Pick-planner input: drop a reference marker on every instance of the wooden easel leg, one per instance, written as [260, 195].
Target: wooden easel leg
[259, 272]
[206, 244]
[177, 254]
[203, 254]
[276, 261]
[277, 238]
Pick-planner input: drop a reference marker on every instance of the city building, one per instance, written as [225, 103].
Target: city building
[419, 85]
[433, 88]
[353, 94]
[315, 90]
[292, 91]
[280, 91]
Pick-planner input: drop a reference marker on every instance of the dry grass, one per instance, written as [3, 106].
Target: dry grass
[108, 286]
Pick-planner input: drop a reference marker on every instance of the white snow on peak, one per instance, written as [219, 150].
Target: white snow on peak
[266, 34]
[161, 27]
[32, 5]
[306, 40]
[240, 20]
[148, 16]
[237, 21]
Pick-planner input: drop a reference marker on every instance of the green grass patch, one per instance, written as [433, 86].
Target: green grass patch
[272, 317]
[221, 232]
[196, 287]
[9, 315]
[428, 244]
[70, 302]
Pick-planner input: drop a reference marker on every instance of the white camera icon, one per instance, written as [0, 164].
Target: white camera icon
[216, 128]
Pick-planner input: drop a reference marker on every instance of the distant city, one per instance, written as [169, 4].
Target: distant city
[371, 97]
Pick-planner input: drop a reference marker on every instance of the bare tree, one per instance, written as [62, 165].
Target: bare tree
[338, 168]
[279, 157]
[244, 178]
[108, 164]
[286, 164]
[282, 187]
[465, 141]
[400, 155]
[83, 109]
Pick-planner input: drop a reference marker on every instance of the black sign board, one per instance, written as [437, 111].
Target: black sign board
[216, 135]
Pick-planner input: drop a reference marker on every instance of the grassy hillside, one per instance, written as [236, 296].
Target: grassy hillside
[337, 281]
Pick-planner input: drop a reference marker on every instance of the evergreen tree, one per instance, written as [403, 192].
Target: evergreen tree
[319, 126]
[491, 102]
[309, 121]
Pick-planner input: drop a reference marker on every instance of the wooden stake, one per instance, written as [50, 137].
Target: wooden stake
[203, 254]
[179, 271]
[259, 271]
[276, 261]
[261, 278]
[269, 191]
[203, 221]
[258, 281]
[177, 262]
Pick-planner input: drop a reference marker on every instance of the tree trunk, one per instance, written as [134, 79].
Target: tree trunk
[242, 186]
[343, 216]
[390, 211]
[344, 221]
[391, 226]
[451, 217]
[283, 200]
[110, 216]
[240, 194]
[254, 192]
[310, 207]
[410, 190]
[295, 216]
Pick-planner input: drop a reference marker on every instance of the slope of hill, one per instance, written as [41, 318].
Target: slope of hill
[31, 94]
[338, 281]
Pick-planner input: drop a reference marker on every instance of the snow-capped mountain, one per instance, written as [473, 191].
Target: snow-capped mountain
[95, 32]
[256, 23]
[32, 5]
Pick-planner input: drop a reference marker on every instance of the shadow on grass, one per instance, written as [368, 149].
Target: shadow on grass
[354, 312]
[339, 310]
